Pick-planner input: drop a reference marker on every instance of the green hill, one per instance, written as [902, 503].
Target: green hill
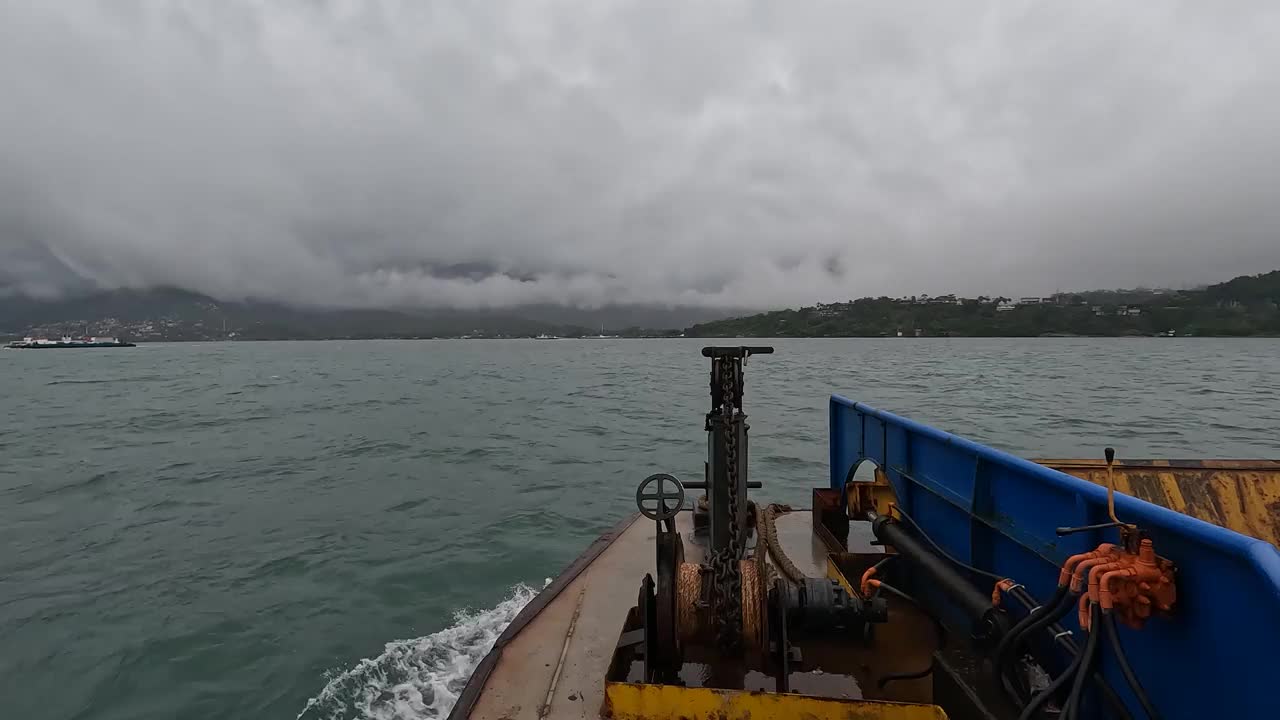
[1244, 306]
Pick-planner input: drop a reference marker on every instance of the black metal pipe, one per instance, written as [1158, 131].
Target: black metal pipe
[975, 604]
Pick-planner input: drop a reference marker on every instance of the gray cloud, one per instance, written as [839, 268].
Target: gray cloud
[370, 152]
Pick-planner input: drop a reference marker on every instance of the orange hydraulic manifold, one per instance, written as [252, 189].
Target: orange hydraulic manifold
[1143, 585]
[1132, 585]
[1074, 568]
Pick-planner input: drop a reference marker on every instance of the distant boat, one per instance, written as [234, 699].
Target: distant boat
[68, 342]
[545, 336]
[601, 336]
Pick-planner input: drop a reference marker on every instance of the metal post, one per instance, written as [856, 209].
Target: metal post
[719, 426]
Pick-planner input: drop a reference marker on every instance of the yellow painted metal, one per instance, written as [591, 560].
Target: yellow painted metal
[1241, 495]
[833, 573]
[877, 495]
[634, 701]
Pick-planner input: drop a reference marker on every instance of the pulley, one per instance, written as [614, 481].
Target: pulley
[821, 606]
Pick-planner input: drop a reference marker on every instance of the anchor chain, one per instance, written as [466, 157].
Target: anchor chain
[724, 564]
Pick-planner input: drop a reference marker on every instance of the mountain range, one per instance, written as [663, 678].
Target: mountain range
[177, 314]
[1247, 305]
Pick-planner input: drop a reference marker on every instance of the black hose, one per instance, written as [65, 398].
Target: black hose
[1021, 629]
[1020, 633]
[1029, 711]
[883, 562]
[1126, 669]
[1063, 638]
[1017, 690]
[916, 526]
[1054, 613]
[937, 626]
[1006, 642]
[1090, 655]
[933, 571]
[886, 679]
[1018, 693]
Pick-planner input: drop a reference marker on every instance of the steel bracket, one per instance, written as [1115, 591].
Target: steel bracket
[870, 496]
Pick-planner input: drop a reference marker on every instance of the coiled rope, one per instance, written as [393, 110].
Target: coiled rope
[767, 545]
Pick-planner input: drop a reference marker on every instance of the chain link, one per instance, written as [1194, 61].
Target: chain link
[724, 564]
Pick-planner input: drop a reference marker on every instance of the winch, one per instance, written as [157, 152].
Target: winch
[729, 611]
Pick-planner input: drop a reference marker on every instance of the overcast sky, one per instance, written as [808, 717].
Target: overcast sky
[721, 153]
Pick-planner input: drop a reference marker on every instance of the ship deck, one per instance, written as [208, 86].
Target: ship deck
[552, 659]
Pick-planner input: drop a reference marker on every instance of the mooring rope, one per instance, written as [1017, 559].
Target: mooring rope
[768, 533]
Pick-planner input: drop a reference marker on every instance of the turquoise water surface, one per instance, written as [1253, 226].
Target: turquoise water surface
[273, 530]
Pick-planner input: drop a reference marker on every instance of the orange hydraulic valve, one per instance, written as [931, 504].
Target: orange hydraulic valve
[1143, 585]
[1105, 553]
[1133, 585]
[1068, 567]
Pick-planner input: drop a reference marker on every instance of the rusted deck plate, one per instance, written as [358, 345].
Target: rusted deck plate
[521, 678]
[1240, 495]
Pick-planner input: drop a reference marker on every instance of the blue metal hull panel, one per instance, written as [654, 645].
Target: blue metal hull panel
[1216, 656]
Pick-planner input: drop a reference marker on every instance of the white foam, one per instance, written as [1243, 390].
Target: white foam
[420, 678]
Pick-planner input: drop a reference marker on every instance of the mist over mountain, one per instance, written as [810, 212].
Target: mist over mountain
[176, 314]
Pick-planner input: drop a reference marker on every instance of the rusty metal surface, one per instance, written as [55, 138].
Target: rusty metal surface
[1240, 495]
[688, 594]
[752, 601]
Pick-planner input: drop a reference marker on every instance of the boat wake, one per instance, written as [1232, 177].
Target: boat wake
[420, 678]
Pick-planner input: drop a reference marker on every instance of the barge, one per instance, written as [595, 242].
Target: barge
[931, 577]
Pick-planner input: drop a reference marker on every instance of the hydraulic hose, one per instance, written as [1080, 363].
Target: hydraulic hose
[1017, 694]
[1039, 699]
[1109, 621]
[937, 573]
[1054, 613]
[1109, 695]
[920, 531]
[1022, 633]
[1090, 655]
[1011, 638]
[938, 627]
